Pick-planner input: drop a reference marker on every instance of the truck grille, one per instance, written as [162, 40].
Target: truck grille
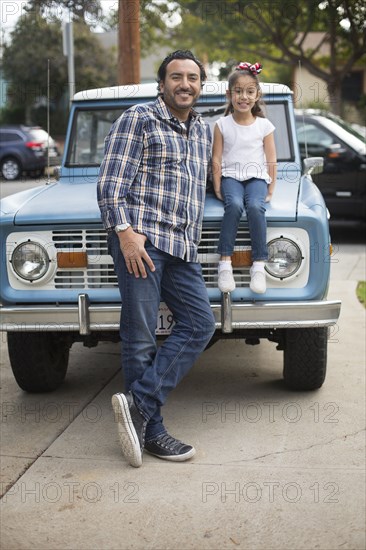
[209, 258]
[100, 272]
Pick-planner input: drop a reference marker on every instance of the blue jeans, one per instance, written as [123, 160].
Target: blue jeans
[151, 372]
[250, 194]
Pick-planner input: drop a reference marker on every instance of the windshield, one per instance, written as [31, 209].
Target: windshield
[88, 134]
[90, 128]
[276, 113]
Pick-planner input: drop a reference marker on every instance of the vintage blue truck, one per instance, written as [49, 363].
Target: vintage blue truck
[58, 284]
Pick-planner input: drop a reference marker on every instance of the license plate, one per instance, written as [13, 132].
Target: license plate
[165, 320]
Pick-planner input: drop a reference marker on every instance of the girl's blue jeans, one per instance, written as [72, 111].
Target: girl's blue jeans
[151, 372]
[237, 195]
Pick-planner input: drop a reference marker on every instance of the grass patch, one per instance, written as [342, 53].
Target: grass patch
[361, 292]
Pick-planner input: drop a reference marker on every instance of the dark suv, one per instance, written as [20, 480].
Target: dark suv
[23, 149]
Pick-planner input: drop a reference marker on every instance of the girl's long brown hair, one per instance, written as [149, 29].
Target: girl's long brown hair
[233, 77]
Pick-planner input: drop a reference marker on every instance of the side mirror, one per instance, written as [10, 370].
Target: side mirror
[313, 165]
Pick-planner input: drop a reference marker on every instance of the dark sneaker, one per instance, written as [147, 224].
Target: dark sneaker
[131, 427]
[167, 447]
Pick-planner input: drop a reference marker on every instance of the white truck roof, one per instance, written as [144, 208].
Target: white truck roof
[150, 90]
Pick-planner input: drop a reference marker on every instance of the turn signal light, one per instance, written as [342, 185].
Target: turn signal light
[72, 259]
[241, 258]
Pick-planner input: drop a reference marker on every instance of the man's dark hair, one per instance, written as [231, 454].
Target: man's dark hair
[180, 54]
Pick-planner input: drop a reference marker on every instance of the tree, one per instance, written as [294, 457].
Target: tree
[94, 66]
[277, 31]
[34, 41]
[88, 11]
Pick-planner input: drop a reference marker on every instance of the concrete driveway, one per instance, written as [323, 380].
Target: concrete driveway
[273, 470]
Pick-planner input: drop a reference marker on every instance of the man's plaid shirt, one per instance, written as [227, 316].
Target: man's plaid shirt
[153, 176]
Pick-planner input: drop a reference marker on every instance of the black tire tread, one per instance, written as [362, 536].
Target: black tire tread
[39, 361]
[305, 358]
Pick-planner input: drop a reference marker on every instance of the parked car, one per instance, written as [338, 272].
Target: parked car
[59, 285]
[23, 149]
[343, 180]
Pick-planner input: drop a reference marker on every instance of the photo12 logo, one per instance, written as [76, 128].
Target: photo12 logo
[270, 491]
[69, 492]
[269, 411]
[51, 412]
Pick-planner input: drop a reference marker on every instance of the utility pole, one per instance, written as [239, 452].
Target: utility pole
[68, 48]
[129, 42]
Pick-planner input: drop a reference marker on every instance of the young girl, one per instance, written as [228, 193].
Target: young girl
[244, 173]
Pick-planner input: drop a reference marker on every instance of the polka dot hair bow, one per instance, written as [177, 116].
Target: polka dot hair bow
[244, 65]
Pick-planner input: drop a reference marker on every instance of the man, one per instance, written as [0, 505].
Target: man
[151, 192]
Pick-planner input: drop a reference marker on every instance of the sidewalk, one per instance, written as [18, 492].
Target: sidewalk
[274, 469]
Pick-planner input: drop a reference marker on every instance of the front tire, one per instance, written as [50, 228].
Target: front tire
[305, 358]
[39, 360]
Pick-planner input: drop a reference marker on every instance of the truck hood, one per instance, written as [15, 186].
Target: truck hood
[33, 207]
[78, 204]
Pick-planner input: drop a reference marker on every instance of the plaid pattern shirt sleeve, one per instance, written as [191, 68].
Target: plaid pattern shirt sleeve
[123, 150]
[153, 176]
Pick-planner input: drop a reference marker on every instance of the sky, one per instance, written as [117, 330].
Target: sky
[10, 11]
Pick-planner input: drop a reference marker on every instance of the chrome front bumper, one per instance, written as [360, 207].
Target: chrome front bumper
[85, 318]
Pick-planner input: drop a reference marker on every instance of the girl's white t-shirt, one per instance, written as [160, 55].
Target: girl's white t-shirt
[243, 153]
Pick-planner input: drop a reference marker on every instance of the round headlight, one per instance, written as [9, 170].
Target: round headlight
[30, 261]
[284, 258]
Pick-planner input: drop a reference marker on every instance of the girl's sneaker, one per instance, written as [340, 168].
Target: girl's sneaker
[226, 282]
[257, 281]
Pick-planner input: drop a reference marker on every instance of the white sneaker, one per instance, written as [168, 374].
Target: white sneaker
[257, 281]
[226, 281]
